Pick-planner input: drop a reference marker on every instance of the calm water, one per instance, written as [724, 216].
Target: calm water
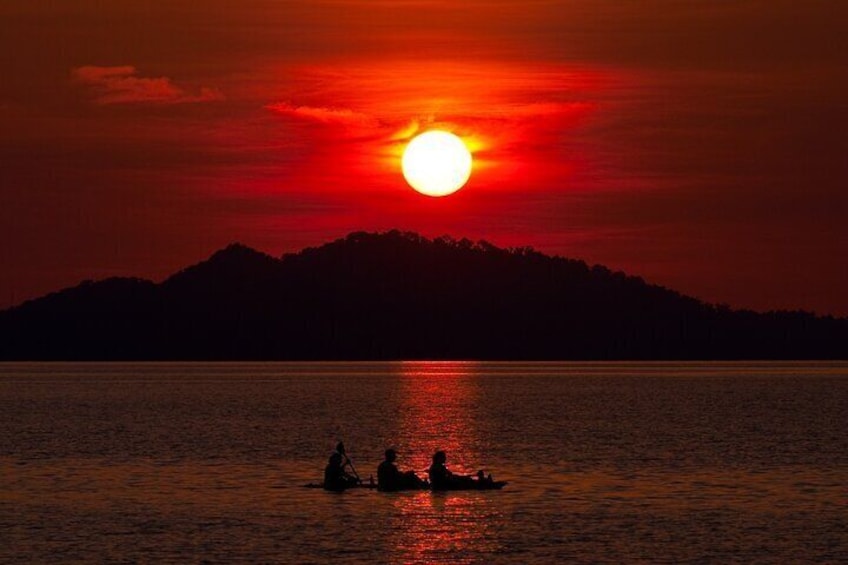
[607, 462]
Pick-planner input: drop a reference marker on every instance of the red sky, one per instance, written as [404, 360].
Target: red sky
[699, 144]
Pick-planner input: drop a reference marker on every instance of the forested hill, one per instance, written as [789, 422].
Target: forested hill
[398, 295]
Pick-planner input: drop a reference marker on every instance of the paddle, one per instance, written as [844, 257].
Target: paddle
[341, 449]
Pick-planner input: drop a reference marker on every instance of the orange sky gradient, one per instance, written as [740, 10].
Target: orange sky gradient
[701, 145]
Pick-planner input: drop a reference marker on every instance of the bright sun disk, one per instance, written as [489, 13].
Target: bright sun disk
[436, 163]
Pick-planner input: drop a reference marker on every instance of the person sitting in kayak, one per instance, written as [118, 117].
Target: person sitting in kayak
[442, 479]
[335, 477]
[389, 477]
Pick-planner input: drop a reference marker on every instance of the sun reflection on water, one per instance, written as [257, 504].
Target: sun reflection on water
[443, 527]
[439, 401]
[439, 405]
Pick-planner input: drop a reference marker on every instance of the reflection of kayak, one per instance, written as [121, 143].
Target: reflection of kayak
[485, 485]
[369, 486]
[475, 485]
[418, 485]
[356, 485]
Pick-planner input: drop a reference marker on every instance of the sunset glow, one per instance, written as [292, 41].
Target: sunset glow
[649, 138]
[423, 281]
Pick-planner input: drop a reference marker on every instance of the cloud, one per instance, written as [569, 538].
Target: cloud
[122, 85]
[342, 116]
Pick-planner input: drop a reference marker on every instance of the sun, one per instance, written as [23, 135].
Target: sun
[436, 163]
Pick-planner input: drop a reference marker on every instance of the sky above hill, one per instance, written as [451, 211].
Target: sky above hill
[701, 145]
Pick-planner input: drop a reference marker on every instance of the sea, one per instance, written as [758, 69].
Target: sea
[606, 462]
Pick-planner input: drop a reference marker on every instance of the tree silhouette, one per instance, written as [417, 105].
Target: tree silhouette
[397, 295]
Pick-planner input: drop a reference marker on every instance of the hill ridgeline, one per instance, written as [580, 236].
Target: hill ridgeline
[398, 295]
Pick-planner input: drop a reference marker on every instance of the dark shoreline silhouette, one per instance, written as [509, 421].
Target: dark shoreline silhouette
[397, 295]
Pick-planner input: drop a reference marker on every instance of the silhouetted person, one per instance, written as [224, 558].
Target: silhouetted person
[442, 479]
[346, 462]
[335, 477]
[389, 477]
